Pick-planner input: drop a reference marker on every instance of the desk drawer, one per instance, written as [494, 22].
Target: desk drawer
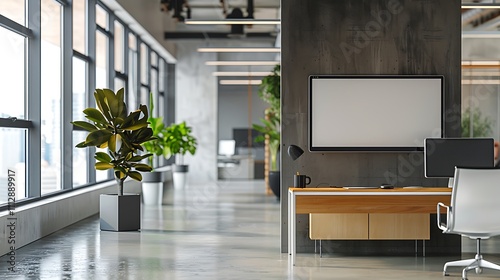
[399, 226]
[338, 226]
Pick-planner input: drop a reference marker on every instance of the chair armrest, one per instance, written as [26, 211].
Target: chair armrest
[442, 226]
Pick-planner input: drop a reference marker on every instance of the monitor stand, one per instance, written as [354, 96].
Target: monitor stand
[450, 182]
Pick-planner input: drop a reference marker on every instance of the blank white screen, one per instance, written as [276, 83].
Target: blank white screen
[374, 112]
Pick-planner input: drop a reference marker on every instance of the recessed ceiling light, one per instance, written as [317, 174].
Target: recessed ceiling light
[234, 21]
[240, 82]
[221, 49]
[241, 63]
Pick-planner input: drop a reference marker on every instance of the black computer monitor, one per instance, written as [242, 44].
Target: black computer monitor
[442, 155]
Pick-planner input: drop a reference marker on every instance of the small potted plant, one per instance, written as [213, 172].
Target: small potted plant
[270, 92]
[110, 127]
[152, 185]
[179, 141]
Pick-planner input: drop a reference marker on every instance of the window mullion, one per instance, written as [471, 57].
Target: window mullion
[91, 84]
[67, 97]
[33, 160]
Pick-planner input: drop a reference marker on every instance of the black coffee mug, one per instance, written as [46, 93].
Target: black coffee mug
[300, 181]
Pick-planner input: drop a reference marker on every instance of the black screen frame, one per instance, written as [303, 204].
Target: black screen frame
[460, 145]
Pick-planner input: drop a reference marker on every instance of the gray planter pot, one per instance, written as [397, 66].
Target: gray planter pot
[180, 168]
[120, 213]
[152, 177]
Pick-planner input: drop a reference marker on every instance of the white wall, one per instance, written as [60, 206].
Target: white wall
[196, 103]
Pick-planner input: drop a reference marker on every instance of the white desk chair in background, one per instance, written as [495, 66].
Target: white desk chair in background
[474, 213]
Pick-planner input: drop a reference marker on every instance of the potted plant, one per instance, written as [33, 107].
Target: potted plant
[110, 127]
[152, 184]
[179, 141]
[270, 92]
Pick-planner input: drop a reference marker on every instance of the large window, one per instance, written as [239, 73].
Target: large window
[49, 72]
[79, 26]
[13, 163]
[51, 97]
[12, 71]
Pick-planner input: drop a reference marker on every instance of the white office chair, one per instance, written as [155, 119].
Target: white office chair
[475, 204]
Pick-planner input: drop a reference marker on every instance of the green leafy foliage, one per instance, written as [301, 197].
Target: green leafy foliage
[122, 134]
[179, 140]
[158, 145]
[270, 92]
[481, 126]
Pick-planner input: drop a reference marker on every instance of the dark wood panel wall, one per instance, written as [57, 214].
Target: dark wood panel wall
[405, 37]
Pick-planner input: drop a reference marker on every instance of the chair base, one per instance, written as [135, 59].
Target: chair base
[478, 263]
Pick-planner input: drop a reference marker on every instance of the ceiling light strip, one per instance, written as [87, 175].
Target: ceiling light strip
[241, 74]
[240, 82]
[242, 63]
[234, 21]
[262, 50]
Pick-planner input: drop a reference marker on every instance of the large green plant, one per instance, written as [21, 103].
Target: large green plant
[270, 129]
[179, 140]
[122, 134]
[270, 92]
[481, 126]
[158, 145]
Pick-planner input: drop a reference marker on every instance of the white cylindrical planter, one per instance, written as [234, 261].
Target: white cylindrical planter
[152, 188]
[152, 193]
[179, 176]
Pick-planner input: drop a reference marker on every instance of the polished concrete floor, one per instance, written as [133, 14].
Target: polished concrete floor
[223, 230]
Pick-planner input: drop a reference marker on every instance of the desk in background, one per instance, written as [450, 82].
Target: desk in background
[361, 201]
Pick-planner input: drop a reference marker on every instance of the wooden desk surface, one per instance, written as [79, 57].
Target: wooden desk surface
[398, 190]
[342, 200]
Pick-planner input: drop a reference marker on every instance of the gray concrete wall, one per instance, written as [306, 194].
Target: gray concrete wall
[362, 37]
[196, 103]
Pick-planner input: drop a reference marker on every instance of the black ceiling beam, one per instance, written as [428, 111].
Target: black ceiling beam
[217, 35]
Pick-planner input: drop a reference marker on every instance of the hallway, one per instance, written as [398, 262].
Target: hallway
[223, 230]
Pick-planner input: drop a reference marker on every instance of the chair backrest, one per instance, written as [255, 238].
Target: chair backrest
[475, 202]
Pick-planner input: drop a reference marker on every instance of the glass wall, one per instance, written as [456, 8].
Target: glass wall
[480, 70]
[49, 80]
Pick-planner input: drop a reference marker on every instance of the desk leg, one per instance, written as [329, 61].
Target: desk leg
[289, 224]
[293, 227]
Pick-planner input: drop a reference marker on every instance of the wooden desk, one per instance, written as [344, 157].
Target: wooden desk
[341, 200]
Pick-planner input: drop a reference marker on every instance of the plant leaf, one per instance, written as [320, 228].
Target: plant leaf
[85, 125]
[103, 166]
[120, 103]
[94, 115]
[101, 103]
[98, 137]
[142, 167]
[135, 175]
[112, 102]
[100, 156]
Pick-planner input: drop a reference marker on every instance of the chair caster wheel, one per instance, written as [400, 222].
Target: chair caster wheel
[479, 270]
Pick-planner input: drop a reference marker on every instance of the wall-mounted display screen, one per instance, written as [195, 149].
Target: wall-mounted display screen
[374, 113]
